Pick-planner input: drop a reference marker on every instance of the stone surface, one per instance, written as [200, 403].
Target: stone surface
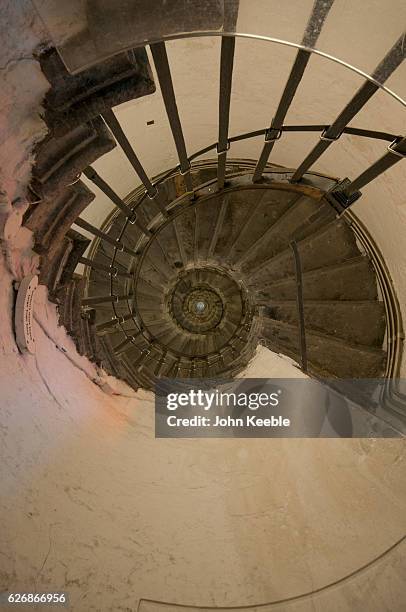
[60, 160]
[92, 504]
[77, 99]
[21, 81]
[52, 218]
[90, 33]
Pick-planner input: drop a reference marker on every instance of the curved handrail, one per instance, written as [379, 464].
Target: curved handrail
[270, 39]
[140, 193]
[286, 43]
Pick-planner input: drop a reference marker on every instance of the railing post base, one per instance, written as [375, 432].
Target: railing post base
[339, 199]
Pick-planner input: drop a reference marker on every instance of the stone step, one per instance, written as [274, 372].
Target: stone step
[59, 161]
[268, 208]
[359, 322]
[186, 223]
[304, 218]
[75, 98]
[328, 357]
[206, 216]
[239, 209]
[335, 243]
[351, 280]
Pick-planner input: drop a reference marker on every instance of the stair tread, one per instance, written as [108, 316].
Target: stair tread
[354, 261]
[360, 322]
[331, 339]
[343, 254]
[341, 282]
[338, 303]
[286, 227]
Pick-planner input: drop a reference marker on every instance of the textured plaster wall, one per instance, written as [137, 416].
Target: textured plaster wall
[91, 503]
[22, 89]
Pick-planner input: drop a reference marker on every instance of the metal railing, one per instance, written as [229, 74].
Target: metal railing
[137, 198]
[342, 195]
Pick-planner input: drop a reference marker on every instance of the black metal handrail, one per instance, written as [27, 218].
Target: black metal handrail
[140, 194]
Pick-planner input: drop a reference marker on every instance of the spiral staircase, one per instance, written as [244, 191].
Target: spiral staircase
[218, 276]
[199, 265]
[181, 235]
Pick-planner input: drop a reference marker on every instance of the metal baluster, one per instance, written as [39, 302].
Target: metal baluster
[110, 326]
[218, 228]
[163, 70]
[137, 361]
[103, 299]
[152, 191]
[300, 307]
[319, 13]
[390, 62]
[93, 176]
[161, 364]
[226, 76]
[111, 270]
[103, 236]
[125, 344]
[179, 241]
[396, 152]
